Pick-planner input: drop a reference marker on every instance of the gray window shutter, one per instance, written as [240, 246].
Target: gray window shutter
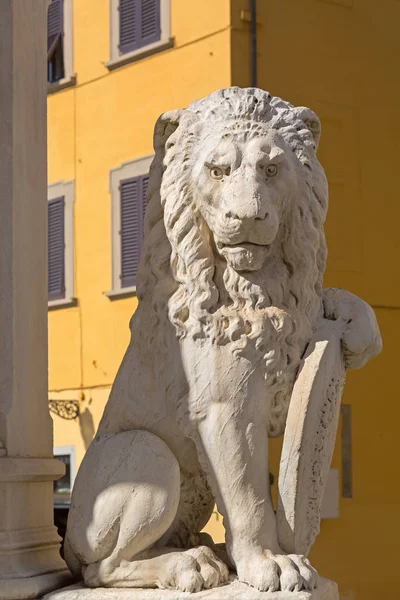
[132, 198]
[150, 21]
[127, 25]
[145, 183]
[56, 249]
[54, 25]
[139, 24]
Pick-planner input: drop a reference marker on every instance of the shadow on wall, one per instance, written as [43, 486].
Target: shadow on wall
[86, 426]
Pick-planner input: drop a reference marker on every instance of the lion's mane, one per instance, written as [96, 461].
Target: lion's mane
[183, 280]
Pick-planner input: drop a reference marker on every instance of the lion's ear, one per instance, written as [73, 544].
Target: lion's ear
[165, 126]
[311, 121]
[167, 123]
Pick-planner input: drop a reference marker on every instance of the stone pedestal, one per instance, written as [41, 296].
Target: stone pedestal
[30, 564]
[327, 590]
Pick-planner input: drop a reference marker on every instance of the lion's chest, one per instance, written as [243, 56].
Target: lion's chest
[250, 377]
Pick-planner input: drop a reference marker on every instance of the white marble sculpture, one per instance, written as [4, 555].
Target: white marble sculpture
[230, 300]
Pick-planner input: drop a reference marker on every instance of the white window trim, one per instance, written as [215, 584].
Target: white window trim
[56, 190]
[126, 170]
[330, 501]
[165, 42]
[70, 450]
[69, 78]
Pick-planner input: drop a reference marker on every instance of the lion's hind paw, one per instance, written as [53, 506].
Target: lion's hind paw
[196, 569]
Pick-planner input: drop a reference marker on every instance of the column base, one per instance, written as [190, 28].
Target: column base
[326, 590]
[30, 561]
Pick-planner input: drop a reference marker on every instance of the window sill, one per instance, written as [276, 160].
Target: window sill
[139, 54]
[62, 303]
[122, 293]
[67, 82]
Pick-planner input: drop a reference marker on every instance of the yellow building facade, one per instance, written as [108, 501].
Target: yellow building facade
[338, 57]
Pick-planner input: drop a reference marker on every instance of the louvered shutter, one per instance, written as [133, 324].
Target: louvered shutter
[145, 183]
[132, 194]
[127, 25]
[54, 25]
[56, 249]
[139, 24]
[150, 21]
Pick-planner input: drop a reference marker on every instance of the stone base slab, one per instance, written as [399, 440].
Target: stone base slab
[327, 590]
[24, 588]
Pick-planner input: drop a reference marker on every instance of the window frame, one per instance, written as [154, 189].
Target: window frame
[69, 78]
[71, 451]
[127, 170]
[330, 499]
[165, 41]
[65, 190]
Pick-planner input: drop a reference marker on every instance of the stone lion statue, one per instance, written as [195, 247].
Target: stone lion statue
[230, 294]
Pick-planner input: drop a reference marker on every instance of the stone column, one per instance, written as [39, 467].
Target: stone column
[29, 545]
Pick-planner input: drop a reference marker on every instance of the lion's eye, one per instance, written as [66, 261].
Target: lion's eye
[216, 173]
[271, 170]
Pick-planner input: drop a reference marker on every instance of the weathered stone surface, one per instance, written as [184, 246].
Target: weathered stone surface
[230, 300]
[327, 590]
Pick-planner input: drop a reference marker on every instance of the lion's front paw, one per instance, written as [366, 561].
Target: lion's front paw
[271, 573]
[361, 338]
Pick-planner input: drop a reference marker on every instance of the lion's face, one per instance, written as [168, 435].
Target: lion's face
[241, 187]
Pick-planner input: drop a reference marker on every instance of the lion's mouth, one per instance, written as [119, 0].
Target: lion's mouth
[240, 247]
[244, 256]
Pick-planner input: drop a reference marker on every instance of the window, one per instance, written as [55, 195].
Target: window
[139, 24]
[63, 487]
[132, 207]
[60, 244]
[138, 28]
[59, 44]
[128, 187]
[56, 245]
[55, 32]
[330, 501]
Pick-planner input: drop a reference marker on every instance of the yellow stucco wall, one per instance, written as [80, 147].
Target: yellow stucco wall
[336, 56]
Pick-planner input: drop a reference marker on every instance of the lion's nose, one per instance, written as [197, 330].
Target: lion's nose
[257, 214]
[231, 215]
